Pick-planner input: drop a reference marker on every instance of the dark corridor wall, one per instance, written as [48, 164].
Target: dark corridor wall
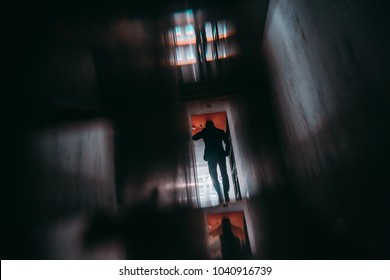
[93, 123]
[328, 63]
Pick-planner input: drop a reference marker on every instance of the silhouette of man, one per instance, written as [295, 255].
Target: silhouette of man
[230, 244]
[215, 154]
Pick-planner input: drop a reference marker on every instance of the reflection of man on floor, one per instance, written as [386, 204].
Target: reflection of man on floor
[215, 154]
[230, 244]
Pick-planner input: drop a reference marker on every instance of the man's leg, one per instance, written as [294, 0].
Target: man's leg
[225, 178]
[214, 178]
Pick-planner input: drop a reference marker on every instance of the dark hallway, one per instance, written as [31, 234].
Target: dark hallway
[101, 100]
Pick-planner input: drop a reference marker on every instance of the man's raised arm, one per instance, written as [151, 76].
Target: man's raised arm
[197, 136]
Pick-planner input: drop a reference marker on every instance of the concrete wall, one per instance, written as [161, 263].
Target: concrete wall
[74, 167]
[328, 64]
[60, 175]
[87, 95]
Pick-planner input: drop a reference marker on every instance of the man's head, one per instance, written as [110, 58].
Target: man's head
[209, 124]
[226, 226]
